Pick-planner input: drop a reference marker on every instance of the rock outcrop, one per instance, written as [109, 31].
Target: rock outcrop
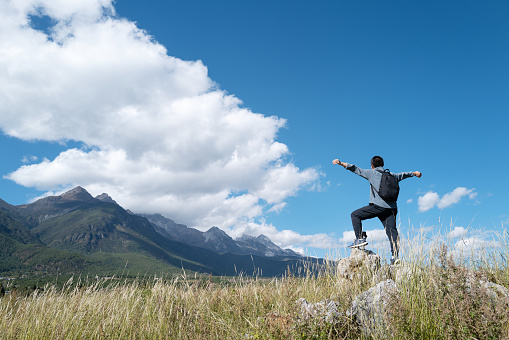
[323, 311]
[349, 267]
[370, 307]
[106, 198]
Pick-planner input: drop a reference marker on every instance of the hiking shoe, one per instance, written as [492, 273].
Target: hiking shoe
[358, 243]
[395, 261]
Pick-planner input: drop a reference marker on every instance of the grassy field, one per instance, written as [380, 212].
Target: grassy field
[439, 298]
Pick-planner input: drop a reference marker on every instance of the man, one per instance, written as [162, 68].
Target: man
[385, 210]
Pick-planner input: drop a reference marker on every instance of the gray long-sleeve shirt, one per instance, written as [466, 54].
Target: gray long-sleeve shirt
[374, 177]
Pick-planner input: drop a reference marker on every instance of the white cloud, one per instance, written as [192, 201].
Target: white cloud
[410, 200]
[377, 235]
[158, 135]
[474, 246]
[432, 199]
[457, 232]
[428, 201]
[348, 237]
[29, 159]
[453, 197]
[277, 208]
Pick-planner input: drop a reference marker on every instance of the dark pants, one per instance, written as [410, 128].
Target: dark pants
[388, 218]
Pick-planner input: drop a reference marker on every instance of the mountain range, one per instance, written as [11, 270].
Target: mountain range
[217, 240]
[76, 232]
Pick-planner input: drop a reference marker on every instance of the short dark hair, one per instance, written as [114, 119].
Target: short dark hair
[377, 161]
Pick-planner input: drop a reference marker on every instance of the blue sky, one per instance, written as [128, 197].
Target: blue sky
[229, 113]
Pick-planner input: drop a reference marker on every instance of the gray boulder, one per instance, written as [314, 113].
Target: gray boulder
[494, 290]
[323, 311]
[370, 308]
[350, 267]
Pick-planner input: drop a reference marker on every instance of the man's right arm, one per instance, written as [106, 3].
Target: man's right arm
[352, 168]
[337, 161]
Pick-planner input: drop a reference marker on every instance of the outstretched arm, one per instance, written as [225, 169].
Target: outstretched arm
[337, 161]
[402, 175]
[356, 170]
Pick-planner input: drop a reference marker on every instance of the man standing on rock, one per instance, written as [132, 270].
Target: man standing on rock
[385, 209]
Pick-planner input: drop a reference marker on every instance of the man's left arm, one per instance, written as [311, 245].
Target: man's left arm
[402, 175]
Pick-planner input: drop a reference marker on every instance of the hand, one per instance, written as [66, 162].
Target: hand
[417, 174]
[336, 161]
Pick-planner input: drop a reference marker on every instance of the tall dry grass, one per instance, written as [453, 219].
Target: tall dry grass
[438, 297]
[451, 299]
[183, 308]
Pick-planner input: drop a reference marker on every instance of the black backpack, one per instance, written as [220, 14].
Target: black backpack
[389, 186]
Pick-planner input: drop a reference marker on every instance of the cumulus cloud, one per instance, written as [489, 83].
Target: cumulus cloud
[432, 199]
[454, 197]
[29, 159]
[278, 207]
[158, 134]
[457, 232]
[348, 237]
[474, 246]
[428, 201]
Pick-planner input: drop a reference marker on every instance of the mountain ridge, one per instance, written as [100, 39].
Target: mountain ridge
[217, 240]
[81, 230]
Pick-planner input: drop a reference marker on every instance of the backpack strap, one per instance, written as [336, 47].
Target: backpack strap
[372, 187]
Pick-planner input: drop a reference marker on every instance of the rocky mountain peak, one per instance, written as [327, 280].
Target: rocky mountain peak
[215, 233]
[246, 238]
[77, 194]
[219, 241]
[264, 246]
[258, 239]
[264, 239]
[106, 198]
